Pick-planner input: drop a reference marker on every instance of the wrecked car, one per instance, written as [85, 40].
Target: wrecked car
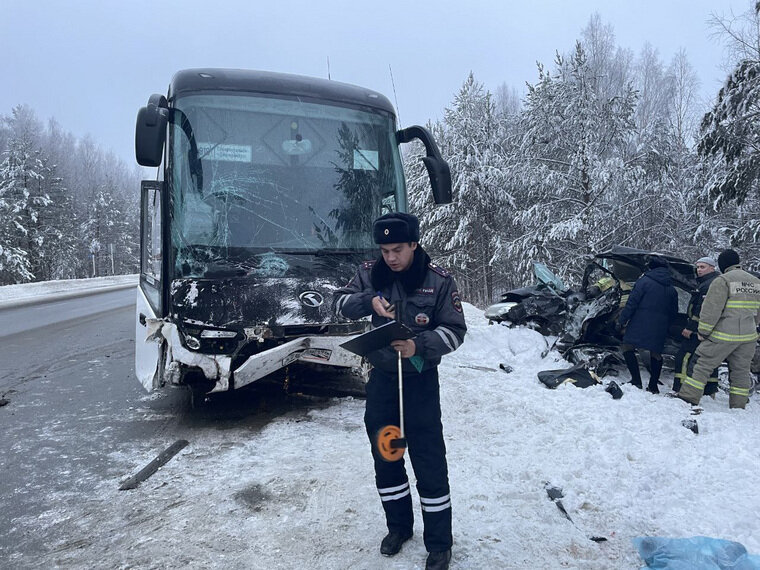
[583, 318]
[607, 281]
[541, 306]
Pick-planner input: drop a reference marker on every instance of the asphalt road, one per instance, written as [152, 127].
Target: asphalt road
[78, 423]
[66, 371]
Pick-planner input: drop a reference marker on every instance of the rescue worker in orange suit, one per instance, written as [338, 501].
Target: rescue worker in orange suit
[686, 358]
[402, 283]
[727, 328]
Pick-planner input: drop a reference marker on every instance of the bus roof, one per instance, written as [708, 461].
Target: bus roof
[267, 82]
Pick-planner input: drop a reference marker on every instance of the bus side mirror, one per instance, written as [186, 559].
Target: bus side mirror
[438, 169]
[150, 131]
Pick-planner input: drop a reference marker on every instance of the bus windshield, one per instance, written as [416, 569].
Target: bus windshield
[278, 175]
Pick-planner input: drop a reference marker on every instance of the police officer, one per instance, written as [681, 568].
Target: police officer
[403, 284]
[728, 331]
[686, 358]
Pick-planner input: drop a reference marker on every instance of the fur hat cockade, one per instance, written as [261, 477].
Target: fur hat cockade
[396, 227]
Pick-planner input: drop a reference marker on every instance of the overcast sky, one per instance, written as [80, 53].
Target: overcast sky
[92, 63]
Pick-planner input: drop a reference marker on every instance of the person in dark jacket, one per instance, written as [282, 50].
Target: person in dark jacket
[686, 357]
[403, 284]
[651, 307]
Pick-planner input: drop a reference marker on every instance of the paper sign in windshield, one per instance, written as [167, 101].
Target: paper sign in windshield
[365, 159]
[225, 152]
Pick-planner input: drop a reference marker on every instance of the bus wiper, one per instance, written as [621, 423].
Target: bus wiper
[320, 252]
[216, 271]
[343, 251]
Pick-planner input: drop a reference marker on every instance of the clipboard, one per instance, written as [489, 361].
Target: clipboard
[378, 338]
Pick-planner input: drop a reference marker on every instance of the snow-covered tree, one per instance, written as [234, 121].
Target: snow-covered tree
[49, 182]
[610, 66]
[653, 90]
[684, 84]
[14, 260]
[571, 165]
[730, 133]
[22, 197]
[466, 233]
[102, 233]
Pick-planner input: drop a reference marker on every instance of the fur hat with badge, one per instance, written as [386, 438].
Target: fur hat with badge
[396, 227]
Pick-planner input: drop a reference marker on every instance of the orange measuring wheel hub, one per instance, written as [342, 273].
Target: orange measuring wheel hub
[390, 443]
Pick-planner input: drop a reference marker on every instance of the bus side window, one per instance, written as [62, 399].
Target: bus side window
[151, 258]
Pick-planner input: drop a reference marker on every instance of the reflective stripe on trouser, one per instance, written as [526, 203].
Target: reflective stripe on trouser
[684, 367]
[426, 450]
[685, 351]
[709, 356]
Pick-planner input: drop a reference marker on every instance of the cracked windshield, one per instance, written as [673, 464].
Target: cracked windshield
[268, 176]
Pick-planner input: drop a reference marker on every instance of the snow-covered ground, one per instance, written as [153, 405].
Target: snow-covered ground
[47, 290]
[300, 492]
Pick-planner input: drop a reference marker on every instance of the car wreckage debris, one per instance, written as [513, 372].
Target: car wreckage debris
[481, 368]
[579, 375]
[154, 465]
[583, 319]
[614, 390]
[555, 494]
[691, 424]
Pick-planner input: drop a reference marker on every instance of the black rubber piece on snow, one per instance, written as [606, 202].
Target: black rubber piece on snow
[4, 402]
[153, 466]
[614, 390]
[555, 494]
[691, 424]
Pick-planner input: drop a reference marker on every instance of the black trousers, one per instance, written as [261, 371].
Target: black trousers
[426, 449]
[685, 360]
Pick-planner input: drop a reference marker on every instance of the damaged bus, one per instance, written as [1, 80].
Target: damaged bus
[266, 188]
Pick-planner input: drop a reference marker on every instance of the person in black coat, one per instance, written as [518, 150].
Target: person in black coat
[651, 307]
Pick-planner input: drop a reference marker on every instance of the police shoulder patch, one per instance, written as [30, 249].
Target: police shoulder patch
[439, 270]
[456, 301]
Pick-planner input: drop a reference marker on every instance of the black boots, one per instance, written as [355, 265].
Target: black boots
[633, 367]
[392, 542]
[438, 560]
[655, 367]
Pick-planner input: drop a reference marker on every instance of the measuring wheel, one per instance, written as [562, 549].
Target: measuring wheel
[390, 444]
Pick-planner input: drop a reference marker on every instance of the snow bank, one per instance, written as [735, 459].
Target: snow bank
[48, 290]
[627, 467]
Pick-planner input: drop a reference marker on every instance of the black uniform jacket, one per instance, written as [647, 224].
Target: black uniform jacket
[695, 304]
[429, 302]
